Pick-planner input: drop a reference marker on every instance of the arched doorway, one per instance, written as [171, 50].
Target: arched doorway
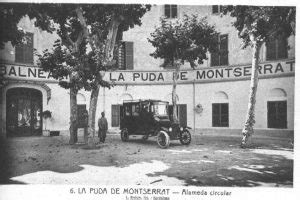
[23, 112]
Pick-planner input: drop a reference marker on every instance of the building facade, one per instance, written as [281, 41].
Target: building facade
[212, 98]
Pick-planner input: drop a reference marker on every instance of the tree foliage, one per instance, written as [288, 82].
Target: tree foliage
[185, 40]
[89, 59]
[264, 23]
[10, 15]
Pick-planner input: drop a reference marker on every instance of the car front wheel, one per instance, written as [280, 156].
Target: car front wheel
[124, 135]
[163, 139]
[185, 137]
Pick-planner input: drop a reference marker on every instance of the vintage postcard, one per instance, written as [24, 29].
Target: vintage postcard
[139, 100]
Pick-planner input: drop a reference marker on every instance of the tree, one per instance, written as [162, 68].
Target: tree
[10, 15]
[183, 40]
[256, 25]
[88, 35]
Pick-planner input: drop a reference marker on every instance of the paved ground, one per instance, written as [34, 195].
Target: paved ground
[207, 161]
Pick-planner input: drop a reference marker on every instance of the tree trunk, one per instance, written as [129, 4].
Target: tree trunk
[73, 116]
[109, 47]
[111, 39]
[92, 116]
[174, 96]
[250, 117]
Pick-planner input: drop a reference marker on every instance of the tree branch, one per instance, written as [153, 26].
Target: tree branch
[111, 38]
[64, 31]
[84, 27]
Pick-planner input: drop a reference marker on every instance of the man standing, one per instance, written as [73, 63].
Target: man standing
[102, 124]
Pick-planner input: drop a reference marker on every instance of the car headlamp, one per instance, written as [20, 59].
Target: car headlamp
[170, 129]
[181, 128]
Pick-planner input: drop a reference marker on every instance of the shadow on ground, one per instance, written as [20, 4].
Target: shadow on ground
[208, 161]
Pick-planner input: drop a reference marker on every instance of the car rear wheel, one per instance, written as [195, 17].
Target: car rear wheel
[163, 139]
[124, 135]
[185, 137]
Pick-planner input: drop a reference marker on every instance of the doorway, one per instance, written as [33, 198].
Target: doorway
[23, 112]
[277, 114]
[115, 115]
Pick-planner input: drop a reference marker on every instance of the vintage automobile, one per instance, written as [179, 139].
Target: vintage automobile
[151, 118]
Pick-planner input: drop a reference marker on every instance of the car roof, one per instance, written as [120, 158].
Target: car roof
[142, 100]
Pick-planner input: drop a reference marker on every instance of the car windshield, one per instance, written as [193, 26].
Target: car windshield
[160, 109]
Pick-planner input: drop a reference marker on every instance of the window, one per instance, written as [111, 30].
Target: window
[216, 9]
[220, 57]
[24, 52]
[135, 109]
[277, 114]
[125, 56]
[170, 11]
[276, 49]
[220, 115]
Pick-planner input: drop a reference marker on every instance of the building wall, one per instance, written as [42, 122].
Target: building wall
[206, 94]
[191, 94]
[223, 25]
[41, 40]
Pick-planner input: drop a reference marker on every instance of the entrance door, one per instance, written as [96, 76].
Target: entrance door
[277, 114]
[81, 118]
[115, 115]
[23, 112]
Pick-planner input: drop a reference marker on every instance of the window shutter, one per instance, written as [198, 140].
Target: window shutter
[223, 42]
[167, 11]
[121, 56]
[271, 49]
[174, 11]
[221, 8]
[129, 55]
[224, 114]
[281, 48]
[29, 49]
[215, 114]
[24, 52]
[214, 57]
[19, 53]
[220, 115]
[215, 9]
[224, 50]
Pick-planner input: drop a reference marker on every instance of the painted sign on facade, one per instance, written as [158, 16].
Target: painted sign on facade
[202, 75]
[273, 69]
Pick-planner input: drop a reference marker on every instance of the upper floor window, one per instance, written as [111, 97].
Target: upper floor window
[125, 56]
[216, 9]
[170, 11]
[277, 49]
[24, 51]
[220, 57]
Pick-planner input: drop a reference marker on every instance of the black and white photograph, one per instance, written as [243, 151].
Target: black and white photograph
[148, 100]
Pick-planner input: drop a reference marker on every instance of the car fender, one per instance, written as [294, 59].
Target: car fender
[164, 129]
[187, 127]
